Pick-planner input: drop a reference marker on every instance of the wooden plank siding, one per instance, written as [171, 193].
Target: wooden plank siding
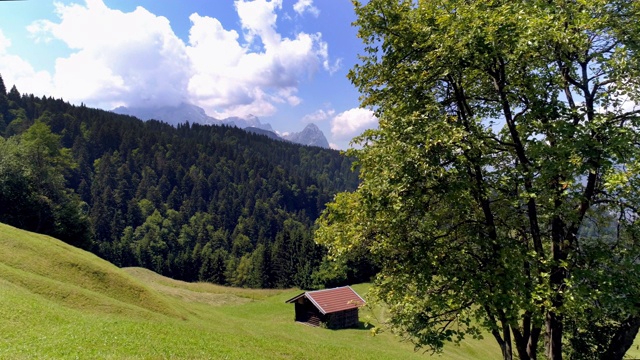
[334, 308]
[343, 319]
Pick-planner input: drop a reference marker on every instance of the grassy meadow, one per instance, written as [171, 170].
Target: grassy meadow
[57, 301]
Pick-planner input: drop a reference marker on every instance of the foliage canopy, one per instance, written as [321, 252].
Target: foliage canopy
[500, 189]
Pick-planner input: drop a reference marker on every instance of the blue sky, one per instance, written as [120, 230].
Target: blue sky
[284, 61]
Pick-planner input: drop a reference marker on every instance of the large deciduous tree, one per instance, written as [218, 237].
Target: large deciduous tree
[500, 191]
[33, 192]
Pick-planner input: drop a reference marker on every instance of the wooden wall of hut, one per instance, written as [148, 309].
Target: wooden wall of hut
[343, 319]
[306, 312]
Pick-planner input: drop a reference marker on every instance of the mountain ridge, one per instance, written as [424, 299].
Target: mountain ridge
[194, 202]
[311, 135]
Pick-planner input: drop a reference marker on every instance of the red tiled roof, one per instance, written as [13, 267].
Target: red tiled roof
[332, 300]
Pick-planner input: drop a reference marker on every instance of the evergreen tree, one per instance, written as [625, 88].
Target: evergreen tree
[3, 89]
[14, 95]
[156, 196]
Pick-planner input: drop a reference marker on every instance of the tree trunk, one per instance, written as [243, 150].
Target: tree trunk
[623, 339]
[554, 336]
[527, 343]
[557, 278]
[507, 350]
[505, 347]
[532, 345]
[504, 339]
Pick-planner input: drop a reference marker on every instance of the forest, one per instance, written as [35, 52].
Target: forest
[196, 202]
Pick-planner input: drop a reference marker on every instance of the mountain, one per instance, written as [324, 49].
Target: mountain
[245, 123]
[184, 112]
[173, 115]
[311, 135]
[259, 131]
[194, 202]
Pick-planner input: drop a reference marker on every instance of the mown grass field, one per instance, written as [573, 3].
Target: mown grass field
[57, 301]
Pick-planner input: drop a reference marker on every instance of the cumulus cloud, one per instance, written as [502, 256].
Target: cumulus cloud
[254, 77]
[318, 116]
[306, 6]
[135, 59]
[258, 19]
[4, 43]
[16, 71]
[352, 122]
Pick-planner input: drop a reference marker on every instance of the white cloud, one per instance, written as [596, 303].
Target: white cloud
[16, 71]
[318, 116]
[258, 18]
[4, 43]
[235, 79]
[303, 6]
[324, 51]
[352, 122]
[135, 59]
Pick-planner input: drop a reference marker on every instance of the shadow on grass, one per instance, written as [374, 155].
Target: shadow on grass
[361, 326]
[364, 326]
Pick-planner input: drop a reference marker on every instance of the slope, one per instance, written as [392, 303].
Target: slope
[60, 302]
[74, 278]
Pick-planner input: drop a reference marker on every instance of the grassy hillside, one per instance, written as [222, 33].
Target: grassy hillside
[60, 302]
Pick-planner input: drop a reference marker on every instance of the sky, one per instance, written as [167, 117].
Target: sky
[284, 61]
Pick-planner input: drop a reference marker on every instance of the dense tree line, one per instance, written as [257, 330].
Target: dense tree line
[196, 202]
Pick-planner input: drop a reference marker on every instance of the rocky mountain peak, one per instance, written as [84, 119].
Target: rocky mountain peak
[311, 135]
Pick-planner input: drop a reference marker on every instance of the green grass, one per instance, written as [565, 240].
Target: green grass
[57, 301]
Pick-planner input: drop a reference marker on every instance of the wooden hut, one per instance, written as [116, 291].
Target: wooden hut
[335, 308]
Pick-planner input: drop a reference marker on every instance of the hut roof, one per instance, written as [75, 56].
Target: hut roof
[332, 300]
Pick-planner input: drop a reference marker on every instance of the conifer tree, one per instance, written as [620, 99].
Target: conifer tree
[3, 89]
[14, 94]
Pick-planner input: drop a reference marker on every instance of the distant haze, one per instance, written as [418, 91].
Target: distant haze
[311, 135]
